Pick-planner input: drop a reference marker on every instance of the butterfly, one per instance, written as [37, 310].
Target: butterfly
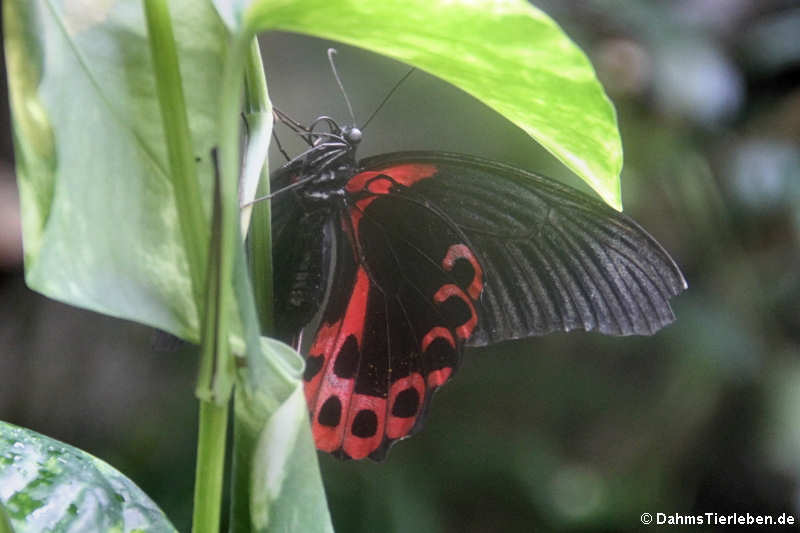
[398, 262]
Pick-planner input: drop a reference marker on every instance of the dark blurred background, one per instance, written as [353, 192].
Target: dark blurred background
[570, 432]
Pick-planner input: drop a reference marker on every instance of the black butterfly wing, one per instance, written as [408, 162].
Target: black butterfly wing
[393, 325]
[436, 251]
[554, 259]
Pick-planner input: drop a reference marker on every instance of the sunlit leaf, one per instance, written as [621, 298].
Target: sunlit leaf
[505, 53]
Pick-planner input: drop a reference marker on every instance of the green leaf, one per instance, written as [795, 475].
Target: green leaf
[506, 53]
[5, 521]
[286, 492]
[275, 453]
[100, 225]
[46, 485]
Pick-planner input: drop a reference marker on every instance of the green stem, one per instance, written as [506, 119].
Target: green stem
[215, 379]
[215, 383]
[212, 433]
[183, 170]
[229, 113]
[257, 109]
[209, 269]
[256, 96]
[244, 446]
[261, 260]
[257, 103]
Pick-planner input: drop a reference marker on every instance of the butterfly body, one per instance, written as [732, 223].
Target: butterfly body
[409, 257]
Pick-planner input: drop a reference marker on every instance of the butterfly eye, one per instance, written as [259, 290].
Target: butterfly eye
[353, 135]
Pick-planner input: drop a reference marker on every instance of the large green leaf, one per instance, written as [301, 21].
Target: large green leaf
[505, 53]
[46, 485]
[99, 220]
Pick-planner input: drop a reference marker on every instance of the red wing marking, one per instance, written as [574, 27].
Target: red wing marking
[322, 347]
[461, 251]
[406, 397]
[329, 392]
[358, 212]
[437, 333]
[445, 292]
[380, 185]
[380, 182]
[360, 424]
[437, 378]
[364, 425]
[407, 175]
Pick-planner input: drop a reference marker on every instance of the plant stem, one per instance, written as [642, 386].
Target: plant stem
[211, 438]
[209, 269]
[229, 236]
[213, 387]
[256, 96]
[257, 102]
[257, 109]
[261, 260]
[183, 169]
[243, 448]
[226, 239]
[258, 116]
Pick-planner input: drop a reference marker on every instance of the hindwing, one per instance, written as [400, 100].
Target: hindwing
[402, 304]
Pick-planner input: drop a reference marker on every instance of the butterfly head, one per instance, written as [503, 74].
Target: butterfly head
[352, 135]
[321, 171]
[334, 135]
[332, 146]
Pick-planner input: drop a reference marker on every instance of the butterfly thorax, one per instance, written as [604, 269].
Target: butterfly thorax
[328, 187]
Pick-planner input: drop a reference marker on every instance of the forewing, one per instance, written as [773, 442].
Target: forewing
[554, 259]
[434, 252]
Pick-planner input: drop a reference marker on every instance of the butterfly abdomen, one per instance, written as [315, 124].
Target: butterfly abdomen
[301, 270]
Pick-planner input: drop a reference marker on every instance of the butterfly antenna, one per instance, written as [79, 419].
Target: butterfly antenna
[272, 195]
[331, 53]
[386, 98]
[280, 146]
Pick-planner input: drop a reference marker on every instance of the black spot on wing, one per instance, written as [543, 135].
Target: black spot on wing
[406, 403]
[346, 364]
[330, 414]
[313, 366]
[456, 311]
[440, 354]
[463, 272]
[365, 424]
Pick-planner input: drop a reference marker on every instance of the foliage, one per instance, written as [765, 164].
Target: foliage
[47, 485]
[107, 182]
